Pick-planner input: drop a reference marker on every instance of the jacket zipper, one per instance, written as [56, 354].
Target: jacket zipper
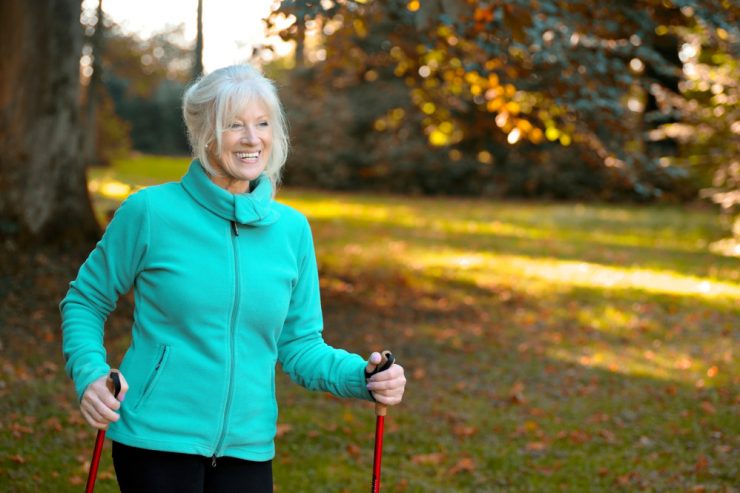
[232, 331]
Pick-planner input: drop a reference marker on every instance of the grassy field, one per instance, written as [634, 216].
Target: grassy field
[549, 347]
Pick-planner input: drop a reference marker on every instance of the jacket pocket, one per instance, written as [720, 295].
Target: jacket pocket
[151, 381]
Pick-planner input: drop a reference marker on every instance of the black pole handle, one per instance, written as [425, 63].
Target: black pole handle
[116, 378]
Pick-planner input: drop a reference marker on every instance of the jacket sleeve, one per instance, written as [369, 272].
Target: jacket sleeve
[302, 351]
[109, 272]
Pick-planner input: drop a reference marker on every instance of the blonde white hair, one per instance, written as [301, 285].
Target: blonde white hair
[212, 103]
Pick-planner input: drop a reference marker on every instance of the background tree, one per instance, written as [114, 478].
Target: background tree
[198, 52]
[524, 96]
[145, 79]
[43, 190]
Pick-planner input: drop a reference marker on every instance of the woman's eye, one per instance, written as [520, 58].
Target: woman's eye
[264, 124]
[235, 126]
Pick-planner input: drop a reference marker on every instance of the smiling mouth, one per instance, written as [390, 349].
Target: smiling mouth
[248, 155]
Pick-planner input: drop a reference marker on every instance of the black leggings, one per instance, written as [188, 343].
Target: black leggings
[143, 471]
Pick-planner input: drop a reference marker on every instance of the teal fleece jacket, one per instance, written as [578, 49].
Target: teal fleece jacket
[225, 286]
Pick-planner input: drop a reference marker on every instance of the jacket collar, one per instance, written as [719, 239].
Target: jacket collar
[254, 208]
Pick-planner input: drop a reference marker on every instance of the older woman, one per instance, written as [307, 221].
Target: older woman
[225, 285]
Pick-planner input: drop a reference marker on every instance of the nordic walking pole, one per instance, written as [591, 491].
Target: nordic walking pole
[100, 439]
[386, 362]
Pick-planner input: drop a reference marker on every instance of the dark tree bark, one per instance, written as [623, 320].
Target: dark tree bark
[43, 189]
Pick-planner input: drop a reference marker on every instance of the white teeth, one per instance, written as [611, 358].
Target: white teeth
[247, 155]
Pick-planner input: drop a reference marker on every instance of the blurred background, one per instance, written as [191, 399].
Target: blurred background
[539, 196]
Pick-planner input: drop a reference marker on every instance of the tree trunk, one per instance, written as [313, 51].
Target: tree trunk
[94, 88]
[43, 188]
[198, 65]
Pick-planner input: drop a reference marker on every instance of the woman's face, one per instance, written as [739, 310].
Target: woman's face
[245, 148]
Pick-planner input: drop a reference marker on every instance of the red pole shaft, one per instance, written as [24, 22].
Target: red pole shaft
[379, 422]
[99, 441]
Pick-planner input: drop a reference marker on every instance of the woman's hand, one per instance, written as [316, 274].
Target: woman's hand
[387, 386]
[98, 404]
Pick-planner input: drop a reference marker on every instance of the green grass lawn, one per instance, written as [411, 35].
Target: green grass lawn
[548, 347]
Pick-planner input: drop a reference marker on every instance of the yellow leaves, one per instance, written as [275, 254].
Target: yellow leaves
[485, 157]
[495, 104]
[413, 5]
[473, 78]
[360, 28]
[438, 138]
[536, 135]
[510, 90]
[428, 108]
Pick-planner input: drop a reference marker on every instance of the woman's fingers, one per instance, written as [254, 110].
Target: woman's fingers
[388, 386]
[373, 361]
[98, 404]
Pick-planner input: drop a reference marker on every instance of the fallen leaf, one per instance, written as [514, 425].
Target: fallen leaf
[353, 450]
[536, 446]
[18, 429]
[18, 459]
[53, 424]
[607, 435]
[626, 479]
[464, 431]
[282, 429]
[106, 475]
[76, 480]
[428, 459]
[702, 465]
[708, 407]
[465, 464]
[516, 394]
[577, 437]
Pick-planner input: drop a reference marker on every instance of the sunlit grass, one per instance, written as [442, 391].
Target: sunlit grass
[487, 268]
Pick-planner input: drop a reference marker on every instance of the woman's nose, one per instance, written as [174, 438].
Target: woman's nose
[249, 136]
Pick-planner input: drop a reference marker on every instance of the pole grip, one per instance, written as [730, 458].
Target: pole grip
[386, 361]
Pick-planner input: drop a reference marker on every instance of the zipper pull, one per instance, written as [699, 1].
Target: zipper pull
[213, 460]
[234, 228]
